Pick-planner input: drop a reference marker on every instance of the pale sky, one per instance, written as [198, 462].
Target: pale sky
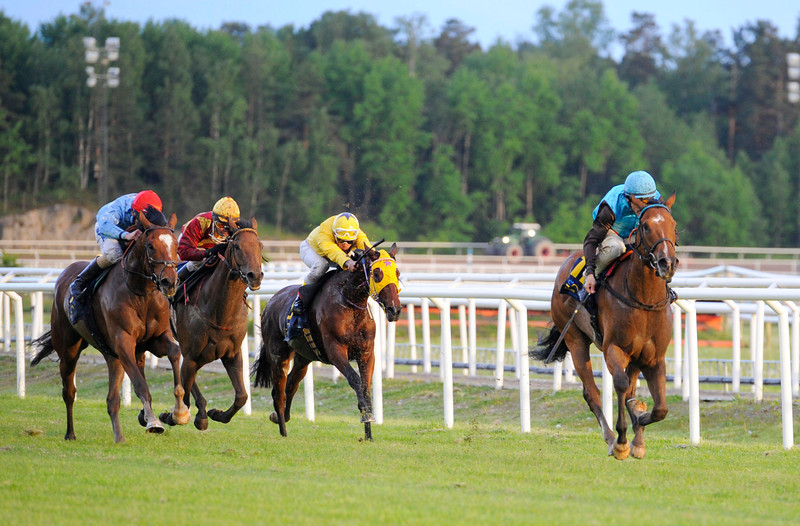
[508, 19]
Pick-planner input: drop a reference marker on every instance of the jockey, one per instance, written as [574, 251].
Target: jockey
[112, 221]
[614, 220]
[205, 235]
[332, 241]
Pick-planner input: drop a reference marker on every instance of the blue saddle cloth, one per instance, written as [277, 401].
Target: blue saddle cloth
[574, 283]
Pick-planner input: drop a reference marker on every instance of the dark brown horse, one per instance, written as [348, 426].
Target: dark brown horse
[635, 325]
[341, 327]
[132, 316]
[211, 321]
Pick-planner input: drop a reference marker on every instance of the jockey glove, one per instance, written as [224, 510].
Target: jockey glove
[216, 249]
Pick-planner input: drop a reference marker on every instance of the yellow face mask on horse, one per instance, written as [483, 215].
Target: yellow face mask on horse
[383, 272]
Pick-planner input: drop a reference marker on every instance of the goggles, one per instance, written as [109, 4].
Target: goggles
[346, 234]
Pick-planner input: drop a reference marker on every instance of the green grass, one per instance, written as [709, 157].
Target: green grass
[415, 472]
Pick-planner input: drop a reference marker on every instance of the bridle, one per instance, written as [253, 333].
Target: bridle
[649, 256]
[150, 262]
[233, 266]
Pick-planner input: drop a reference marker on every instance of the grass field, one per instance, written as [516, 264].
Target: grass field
[415, 472]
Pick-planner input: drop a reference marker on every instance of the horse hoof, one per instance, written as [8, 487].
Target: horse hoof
[142, 421]
[635, 406]
[367, 417]
[274, 418]
[621, 451]
[216, 415]
[201, 423]
[166, 418]
[637, 451]
[154, 427]
[181, 418]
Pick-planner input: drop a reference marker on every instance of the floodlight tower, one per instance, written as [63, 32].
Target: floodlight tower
[105, 76]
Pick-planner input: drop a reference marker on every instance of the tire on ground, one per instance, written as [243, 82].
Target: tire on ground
[543, 247]
[514, 253]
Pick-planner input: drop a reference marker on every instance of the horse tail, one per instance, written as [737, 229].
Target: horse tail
[45, 345]
[261, 368]
[545, 345]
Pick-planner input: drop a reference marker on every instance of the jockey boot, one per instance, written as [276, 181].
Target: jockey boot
[297, 306]
[184, 273]
[79, 288]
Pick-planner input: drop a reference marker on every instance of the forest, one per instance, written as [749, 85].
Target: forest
[420, 132]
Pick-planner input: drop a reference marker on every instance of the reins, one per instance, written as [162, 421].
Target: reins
[229, 263]
[650, 259]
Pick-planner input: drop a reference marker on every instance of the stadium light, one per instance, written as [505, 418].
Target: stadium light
[106, 77]
[793, 72]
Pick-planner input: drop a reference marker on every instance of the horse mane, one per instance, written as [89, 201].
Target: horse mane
[155, 216]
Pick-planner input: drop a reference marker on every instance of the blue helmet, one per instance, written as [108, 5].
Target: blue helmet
[640, 184]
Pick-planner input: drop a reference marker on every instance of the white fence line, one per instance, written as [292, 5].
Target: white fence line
[751, 294]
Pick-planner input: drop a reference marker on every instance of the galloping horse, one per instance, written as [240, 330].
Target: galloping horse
[635, 326]
[342, 330]
[211, 321]
[132, 316]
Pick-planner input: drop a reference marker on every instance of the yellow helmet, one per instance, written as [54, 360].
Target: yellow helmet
[345, 227]
[225, 209]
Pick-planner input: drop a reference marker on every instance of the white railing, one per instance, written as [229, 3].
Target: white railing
[512, 297]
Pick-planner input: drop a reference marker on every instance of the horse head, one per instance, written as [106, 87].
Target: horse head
[160, 248]
[384, 284]
[656, 236]
[243, 253]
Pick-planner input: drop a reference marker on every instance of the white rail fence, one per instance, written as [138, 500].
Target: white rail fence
[762, 299]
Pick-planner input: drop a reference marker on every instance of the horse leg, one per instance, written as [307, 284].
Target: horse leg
[338, 356]
[66, 366]
[189, 377]
[125, 346]
[278, 371]
[233, 366]
[115, 374]
[298, 372]
[366, 366]
[617, 362]
[166, 346]
[579, 348]
[635, 407]
[656, 384]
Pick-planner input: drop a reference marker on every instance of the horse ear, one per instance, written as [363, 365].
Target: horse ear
[670, 200]
[636, 204]
[173, 220]
[254, 223]
[393, 250]
[143, 221]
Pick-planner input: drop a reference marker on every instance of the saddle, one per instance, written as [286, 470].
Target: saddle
[573, 286]
[296, 330]
[192, 282]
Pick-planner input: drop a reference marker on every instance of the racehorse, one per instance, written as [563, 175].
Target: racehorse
[634, 322]
[341, 328]
[131, 313]
[211, 321]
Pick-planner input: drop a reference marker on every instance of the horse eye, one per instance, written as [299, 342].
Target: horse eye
[377, 274]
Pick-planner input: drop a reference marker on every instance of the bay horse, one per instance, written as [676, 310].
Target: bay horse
[211, 321]
[131, 312]
[635, 326]
[342, 329]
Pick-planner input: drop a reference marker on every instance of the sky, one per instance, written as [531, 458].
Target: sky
[510, 20]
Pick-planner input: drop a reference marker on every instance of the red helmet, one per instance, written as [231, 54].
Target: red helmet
[143, 199]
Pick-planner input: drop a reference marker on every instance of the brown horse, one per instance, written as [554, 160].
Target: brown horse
[342, 330]
[211, 321]
[635, 326]
[132, 316]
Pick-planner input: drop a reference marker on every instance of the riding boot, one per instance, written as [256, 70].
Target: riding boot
[79, 288]
[296, 320]
[184, 273]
